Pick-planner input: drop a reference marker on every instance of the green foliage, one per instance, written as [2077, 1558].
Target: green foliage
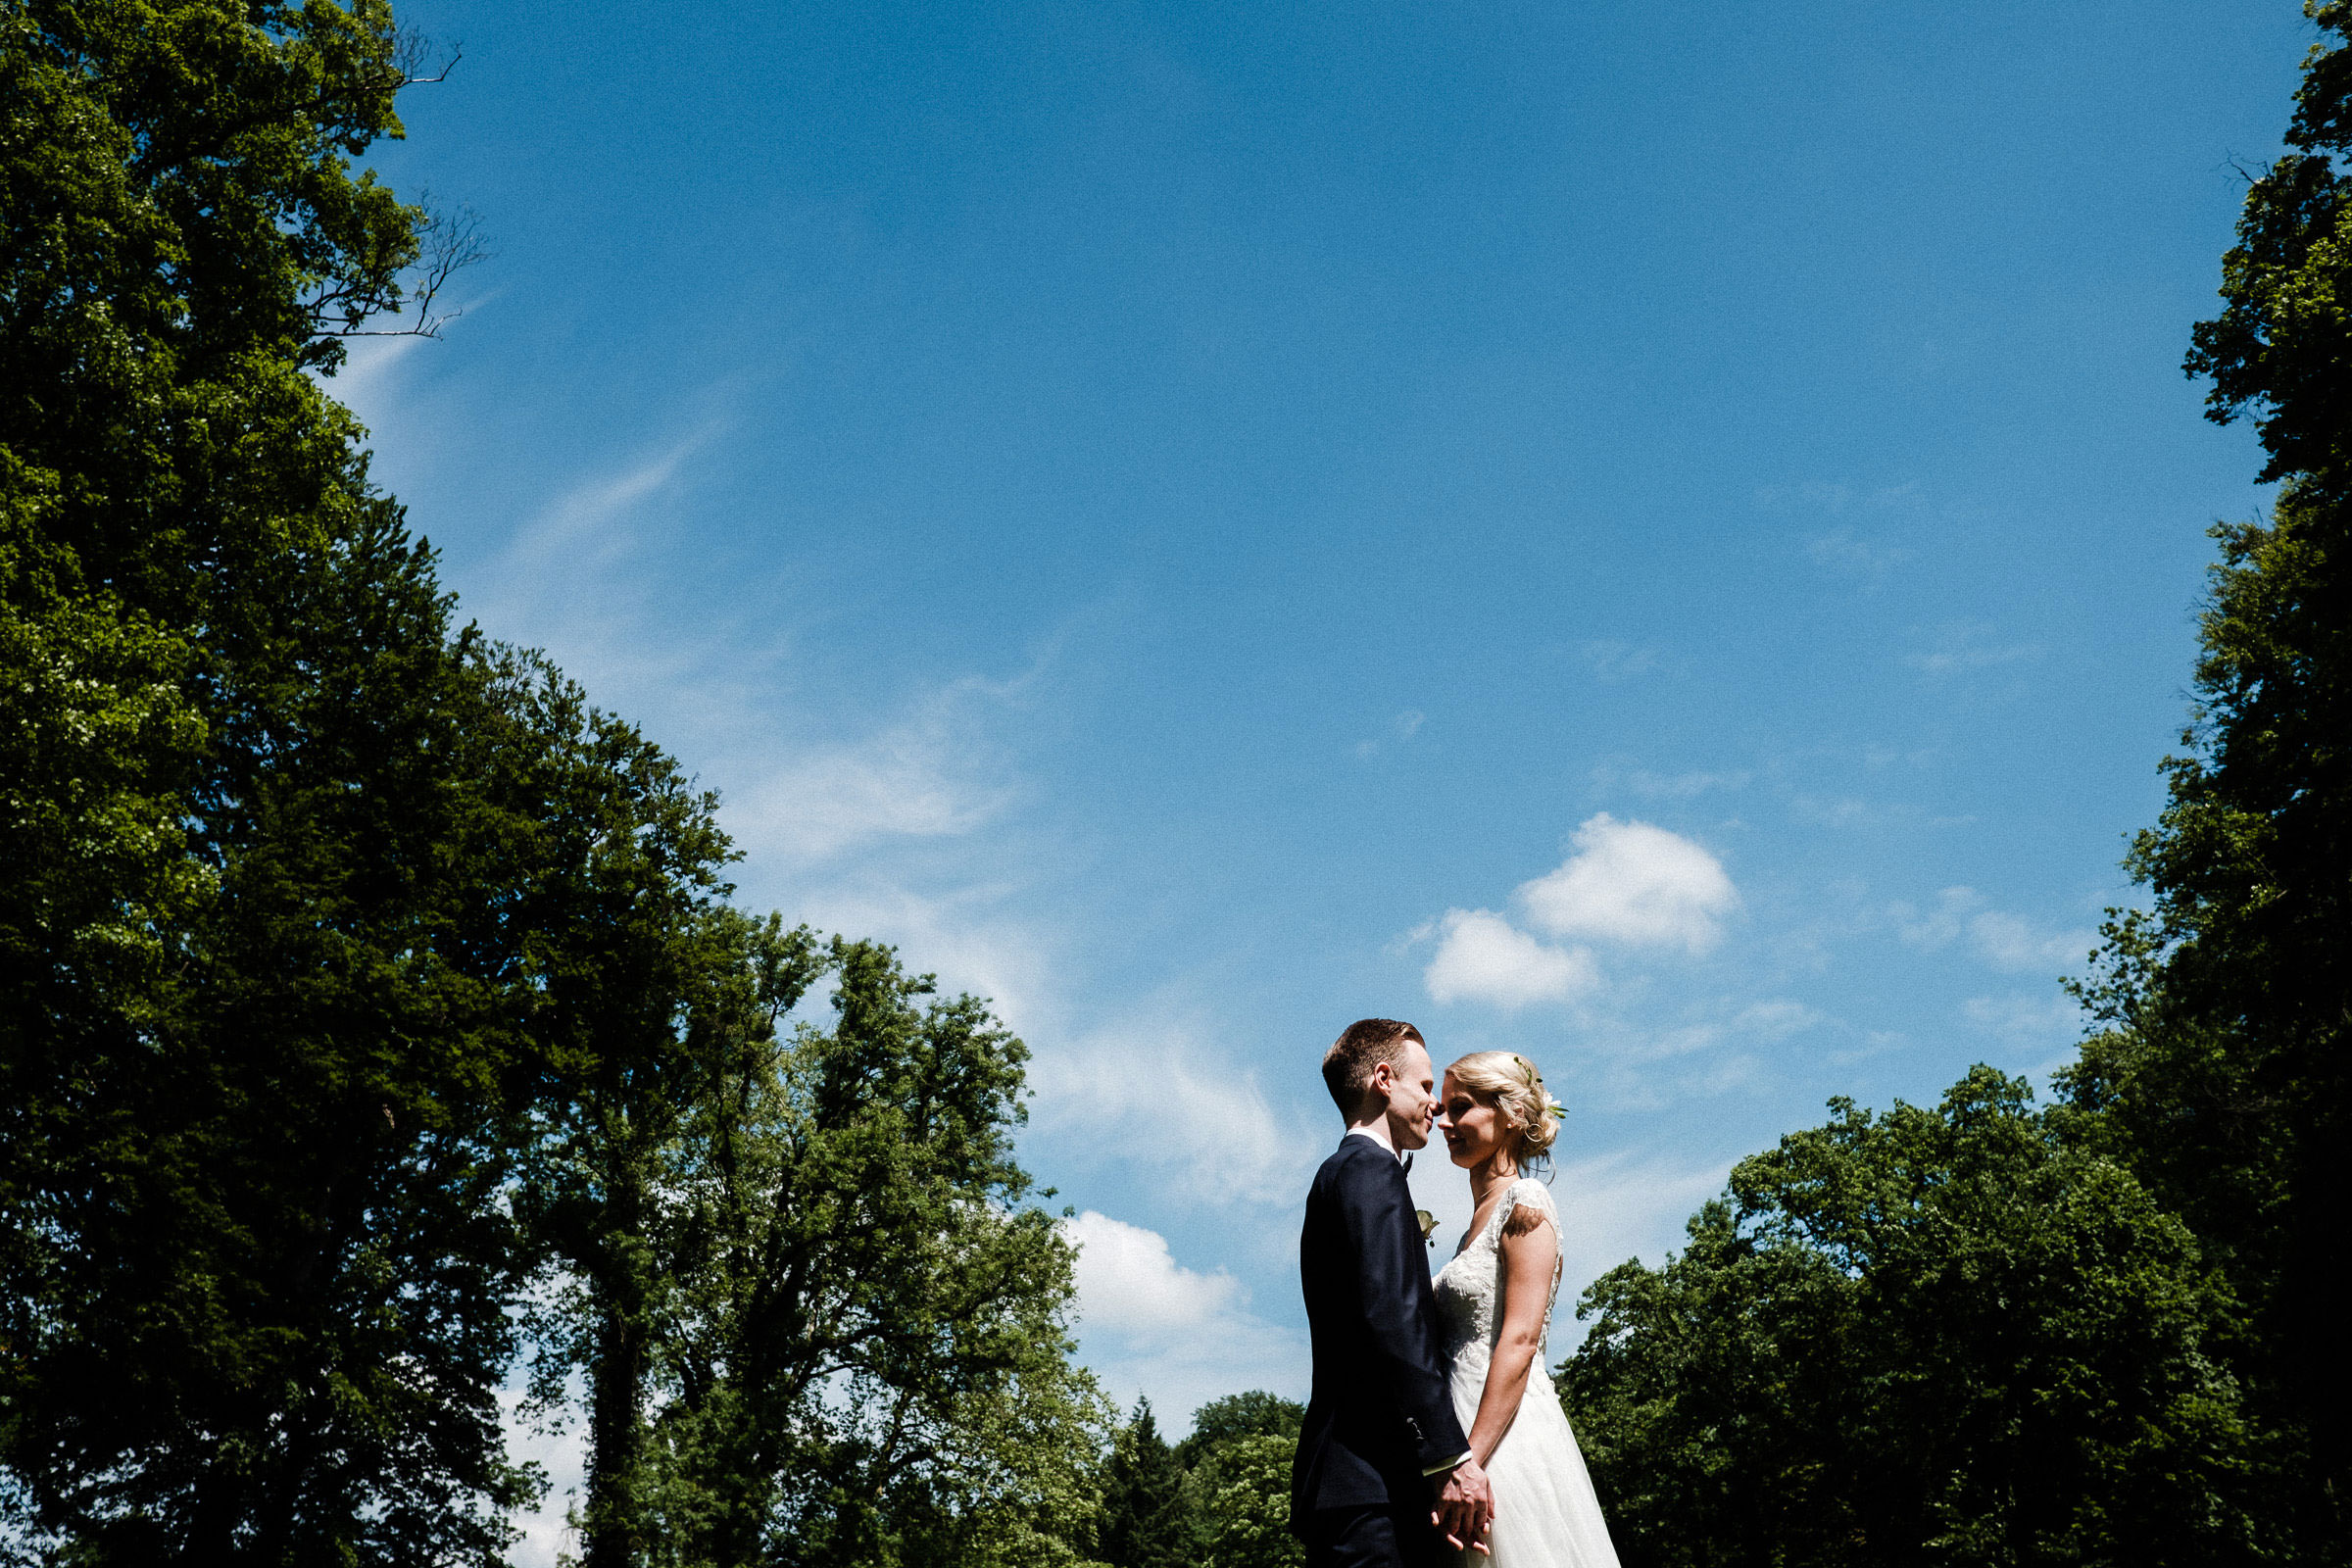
[1149, 1516]
[819, 1322]
[1256, 1414]
[1239, 1483]
[1938, 1336]
[871, 1363]
[334, 944]
[2222, 1078]
[1221, 1497]
[1242, 1493]
[259, 1037]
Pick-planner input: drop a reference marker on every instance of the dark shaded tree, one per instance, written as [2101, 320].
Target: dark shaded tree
[631, 947]
[260, 1013]
[1942, 1336]
[1149, 1518]
[2223, 1078]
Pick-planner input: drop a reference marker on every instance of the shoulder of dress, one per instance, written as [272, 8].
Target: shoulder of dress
[1529, 1194]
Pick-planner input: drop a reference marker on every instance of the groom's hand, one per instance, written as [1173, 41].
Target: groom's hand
[1465, 1506]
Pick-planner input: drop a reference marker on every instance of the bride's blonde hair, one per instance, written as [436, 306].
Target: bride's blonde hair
[1510, 1083]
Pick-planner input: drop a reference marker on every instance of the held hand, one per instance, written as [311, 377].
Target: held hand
[1465, 1506]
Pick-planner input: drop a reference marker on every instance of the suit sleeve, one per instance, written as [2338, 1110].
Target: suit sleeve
[1393, 1285]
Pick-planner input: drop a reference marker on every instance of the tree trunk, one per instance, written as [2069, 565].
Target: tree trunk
[613, 1530]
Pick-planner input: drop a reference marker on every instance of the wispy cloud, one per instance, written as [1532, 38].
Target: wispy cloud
[1158, 1094]
[2026, 1021]
[580, 578]
[1967, 646]
[1776, 1019]
[1613, 662]
[2002, 940]
[1622, 1205]
[587, 528]
[937, 771]
[1654, 786]
[1854, 554]
[1399, 729]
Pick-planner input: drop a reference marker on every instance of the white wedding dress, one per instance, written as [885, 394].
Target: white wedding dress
[1545, 1515]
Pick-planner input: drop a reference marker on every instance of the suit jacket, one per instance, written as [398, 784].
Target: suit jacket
[1379, 1414]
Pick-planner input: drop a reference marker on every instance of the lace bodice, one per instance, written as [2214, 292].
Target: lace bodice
[1469, 1288]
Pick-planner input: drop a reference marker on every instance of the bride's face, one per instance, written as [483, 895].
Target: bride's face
[1474, 1130]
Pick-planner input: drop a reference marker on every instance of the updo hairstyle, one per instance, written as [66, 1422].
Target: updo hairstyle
[1509, 1082]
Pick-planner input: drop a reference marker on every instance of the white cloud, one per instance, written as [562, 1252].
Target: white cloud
[1129, 1283]
[562, 1451]
[1151, 1326]
[1636, 884]
[1483, 957]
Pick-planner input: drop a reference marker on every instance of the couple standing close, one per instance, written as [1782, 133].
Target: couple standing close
[1386, 1477]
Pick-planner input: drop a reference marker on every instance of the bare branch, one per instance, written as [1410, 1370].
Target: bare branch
[448, 242]
[2246, 169]
[412, 47]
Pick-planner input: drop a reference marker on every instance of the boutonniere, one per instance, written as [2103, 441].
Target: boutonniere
[1429, 1226]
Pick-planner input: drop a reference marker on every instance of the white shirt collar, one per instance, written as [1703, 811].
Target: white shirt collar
[1398, 1155]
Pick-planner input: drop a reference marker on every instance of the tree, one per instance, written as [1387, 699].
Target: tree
[1946, 1335]
[260, 1035]
[1254, 1414]
[818, 1321]
[2223, 1078]
[355, 969]
[1147, 1515]
[1238, 1463]
[631, 946]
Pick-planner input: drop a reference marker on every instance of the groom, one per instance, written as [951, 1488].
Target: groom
[1384, 1477]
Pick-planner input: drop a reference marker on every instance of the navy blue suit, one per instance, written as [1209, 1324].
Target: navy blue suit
[1380, 1416]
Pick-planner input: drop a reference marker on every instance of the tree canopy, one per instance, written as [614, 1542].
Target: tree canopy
[2222, 1078]
[1938, 1335]
[372, 1000]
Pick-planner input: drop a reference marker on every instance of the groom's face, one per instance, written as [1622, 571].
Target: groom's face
[1412, 1096]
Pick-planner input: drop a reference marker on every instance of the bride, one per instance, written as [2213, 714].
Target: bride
[1494, 1303]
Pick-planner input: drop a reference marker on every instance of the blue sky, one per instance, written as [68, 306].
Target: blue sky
[1660, 536]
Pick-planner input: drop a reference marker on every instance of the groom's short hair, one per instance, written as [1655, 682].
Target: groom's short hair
[1361, 1047]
